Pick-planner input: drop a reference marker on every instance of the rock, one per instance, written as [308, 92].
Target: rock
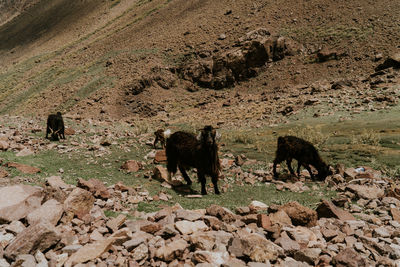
[57, 183]
[257, 206]
[115, 223]
[187, 227]
[131, 166]
[95, 187]
[69, 131]
[160, 157]
[289, 245]
[39, 236]
[257, 248]
[4, 145]
[309, 255]
[366, 192]
[79, 203]
[395, 214]
[393, 61]
[264, 221]
[25, 152]
[188, 215]
[326, 55]
[300, 215]
[41, 259]
[208, 240]
[328, 210]
[140, 252]
[280, 218]
[137, 239]
[3, 173]
[349, 258]
[17, 201]
[50, 211]
[214, 258]
[151, 227]
[23, 168]
[172, 250]
[221, 213]
[301, 234]
[160, 173]
[25, 261]
[71, 249]
[90, 252]
[15, 227]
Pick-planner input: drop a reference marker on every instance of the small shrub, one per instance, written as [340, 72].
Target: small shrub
[311, 134]
[366, 137]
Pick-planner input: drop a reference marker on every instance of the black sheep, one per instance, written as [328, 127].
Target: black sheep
[291, 147]
[55, 127]
[185, 151]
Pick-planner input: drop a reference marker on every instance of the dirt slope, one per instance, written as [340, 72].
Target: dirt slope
[106, 58]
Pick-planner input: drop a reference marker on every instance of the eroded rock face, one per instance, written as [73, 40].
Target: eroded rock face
[252, 52]
[18, 201]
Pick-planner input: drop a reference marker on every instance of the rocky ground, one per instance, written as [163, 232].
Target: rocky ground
[93, 224]
[65, 225]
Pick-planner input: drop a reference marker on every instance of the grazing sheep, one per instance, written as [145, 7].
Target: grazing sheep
[291, 147]
[55, 127]
[184, 151]
[161, 136]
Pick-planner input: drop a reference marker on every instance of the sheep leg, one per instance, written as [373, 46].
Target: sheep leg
[202, 180]
[276, 161]
[298, 168]
[185, 175]
[309, 170]
[289, 165]
[214, 180]
[155, 142]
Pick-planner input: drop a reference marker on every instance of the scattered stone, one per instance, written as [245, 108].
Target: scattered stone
[160, 157]
[23, 168]
[172, 250]
[25, 152]
[94, 186]
[131, 166]
[115, 223]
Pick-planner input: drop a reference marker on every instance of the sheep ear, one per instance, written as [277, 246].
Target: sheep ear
[199, 136]
[217, 135]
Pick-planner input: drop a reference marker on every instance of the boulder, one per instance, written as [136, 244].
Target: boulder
[79, 203]
[17, 201]
[4, 145]
[300, 215]
[328, 210]
[36, 237]
[50, 211]
[256, 247]
[393, 61]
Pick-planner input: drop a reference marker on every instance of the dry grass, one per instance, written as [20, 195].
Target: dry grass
[312, 134]
[366, 137]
